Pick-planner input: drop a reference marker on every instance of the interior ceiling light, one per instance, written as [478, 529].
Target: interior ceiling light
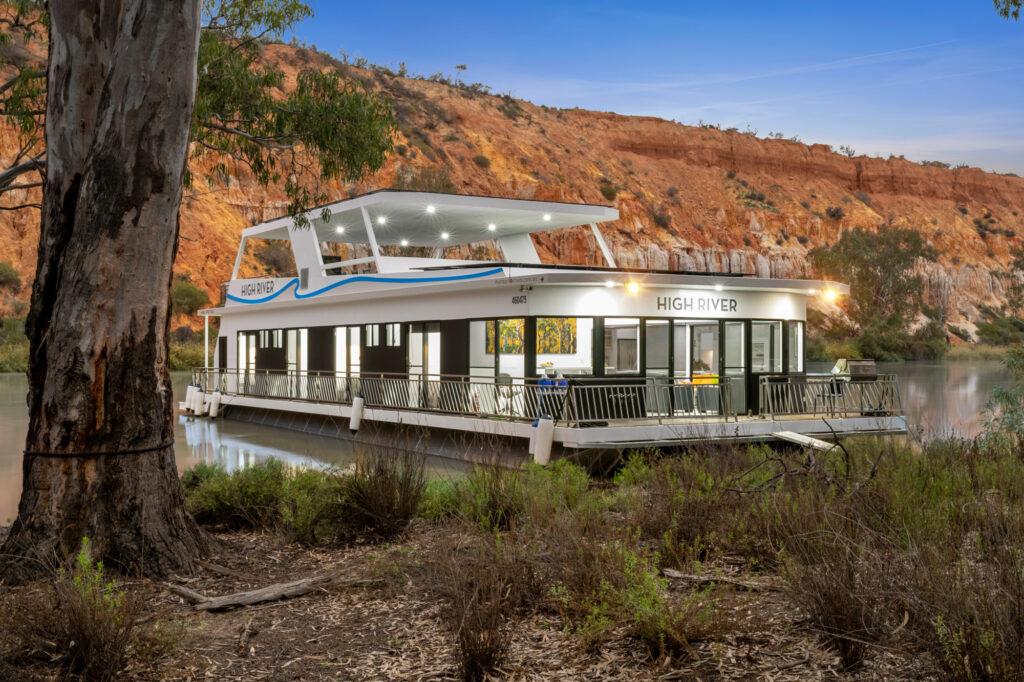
[430, 209]
[444, 235]
[492, 227]
[340, 229]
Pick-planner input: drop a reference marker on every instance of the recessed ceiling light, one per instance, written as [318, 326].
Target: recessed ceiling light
[632, 287]
[444, 235]
[405, 242]
[547, 216]
[492, 227]
[430, 209]
[381, 220]
[718, 287]
[609, 283]
[340, 229]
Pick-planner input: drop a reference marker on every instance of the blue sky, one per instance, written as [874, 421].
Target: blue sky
[929, 80]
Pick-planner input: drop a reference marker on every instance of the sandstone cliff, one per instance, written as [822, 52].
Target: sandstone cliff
[690, 198]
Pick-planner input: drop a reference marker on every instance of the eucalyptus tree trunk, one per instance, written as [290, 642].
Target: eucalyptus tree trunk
[121, 88]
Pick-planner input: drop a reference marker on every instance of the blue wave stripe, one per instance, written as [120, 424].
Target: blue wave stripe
[364, 278]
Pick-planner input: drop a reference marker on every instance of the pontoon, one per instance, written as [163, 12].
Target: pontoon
[436, 311]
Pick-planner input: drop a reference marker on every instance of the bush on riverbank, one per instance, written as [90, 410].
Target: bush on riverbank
[378, 498]
[884, 544]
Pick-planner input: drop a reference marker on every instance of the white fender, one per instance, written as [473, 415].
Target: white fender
[542, 444]
[199, 398]
[214, 404]
[188, 397]
[357, 414]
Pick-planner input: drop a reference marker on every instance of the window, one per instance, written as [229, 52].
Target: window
[705, 352]
[565, 345]
[658, 343]
[796, 346]
[765, 347]
[622, 345]
[372, 335]
[481, 348]
[681, 343]
[393, 334]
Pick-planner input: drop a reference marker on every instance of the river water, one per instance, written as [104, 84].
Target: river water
[940, 398]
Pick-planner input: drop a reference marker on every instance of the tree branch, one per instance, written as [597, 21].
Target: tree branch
[36, 163]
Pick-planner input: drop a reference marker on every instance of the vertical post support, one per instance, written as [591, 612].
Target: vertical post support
[604, 247]
[206, 342]
[374, 249]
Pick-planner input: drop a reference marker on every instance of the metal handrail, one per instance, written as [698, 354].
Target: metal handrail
[580, 404]
[830, 396]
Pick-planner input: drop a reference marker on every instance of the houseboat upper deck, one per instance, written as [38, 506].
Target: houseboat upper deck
[436, 310]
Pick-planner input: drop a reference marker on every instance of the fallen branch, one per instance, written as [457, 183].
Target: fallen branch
[708, 580]
[296, 588]
[243, 640]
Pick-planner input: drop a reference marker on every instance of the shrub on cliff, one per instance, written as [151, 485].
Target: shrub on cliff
[187, 298]
[10, 278]
[482, 161]
[609, 192]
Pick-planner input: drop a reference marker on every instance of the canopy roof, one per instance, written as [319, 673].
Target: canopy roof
[429, 219]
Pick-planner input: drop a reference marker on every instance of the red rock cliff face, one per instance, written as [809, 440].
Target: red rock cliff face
[689, 198]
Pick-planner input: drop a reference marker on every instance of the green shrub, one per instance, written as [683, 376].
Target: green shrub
[440, 500]
[609, 192]
[482, 161]
[187, 298]
[247, 498]
[835, 212]
[1002, 331]
[81, 623]
[491, 497]
[13, 346]
[186, 356]
[10, 278]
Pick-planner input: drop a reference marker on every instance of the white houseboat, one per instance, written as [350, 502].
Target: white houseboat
[435, 310]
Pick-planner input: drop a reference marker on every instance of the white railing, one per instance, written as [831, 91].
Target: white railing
[581, 403]
[830, 396]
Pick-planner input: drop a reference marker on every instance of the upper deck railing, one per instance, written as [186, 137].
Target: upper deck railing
[830, 396]
[578, 403]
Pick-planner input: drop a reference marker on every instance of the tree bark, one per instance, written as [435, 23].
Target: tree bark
[121, 88]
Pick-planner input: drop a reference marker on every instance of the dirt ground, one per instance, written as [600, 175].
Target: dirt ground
[374, 622]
